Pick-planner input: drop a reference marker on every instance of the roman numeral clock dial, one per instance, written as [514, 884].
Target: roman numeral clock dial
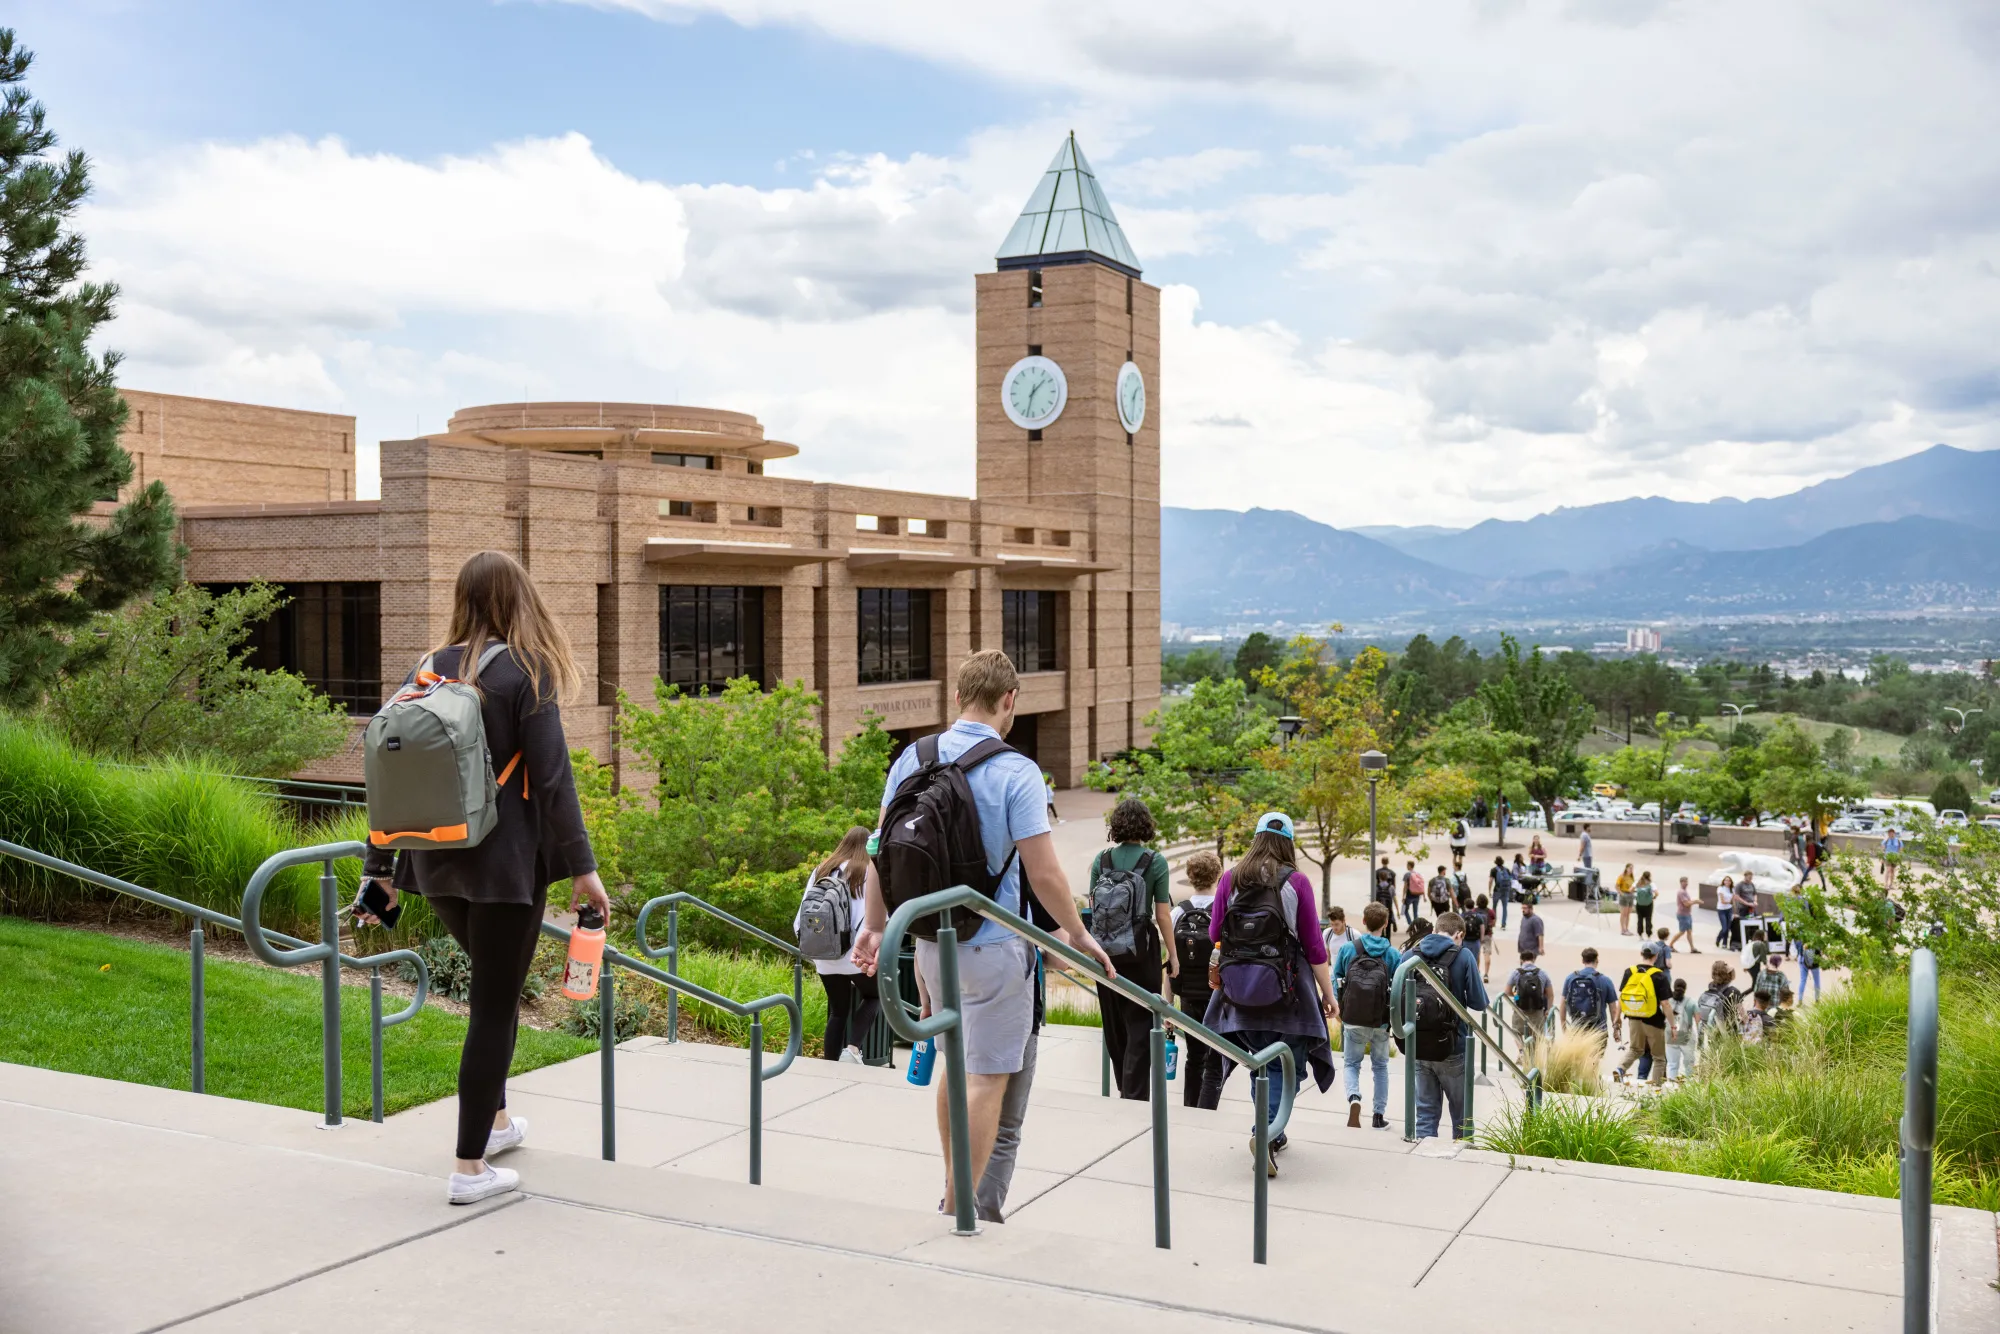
[1033, 393]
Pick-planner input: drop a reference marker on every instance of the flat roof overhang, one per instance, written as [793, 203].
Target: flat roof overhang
[937, 561]
[1056, 565]
[668, 550]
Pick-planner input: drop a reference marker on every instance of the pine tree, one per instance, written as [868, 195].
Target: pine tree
[60, 415]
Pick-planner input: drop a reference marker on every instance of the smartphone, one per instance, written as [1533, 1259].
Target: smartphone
[374, 900]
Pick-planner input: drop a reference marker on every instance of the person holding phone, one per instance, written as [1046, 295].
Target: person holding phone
[492, 896]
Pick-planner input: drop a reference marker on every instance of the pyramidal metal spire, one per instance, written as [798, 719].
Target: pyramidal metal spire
[1068, 220]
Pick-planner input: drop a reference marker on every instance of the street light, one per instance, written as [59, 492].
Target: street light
[1373, 764]
[1964, 717]
[1736, 711]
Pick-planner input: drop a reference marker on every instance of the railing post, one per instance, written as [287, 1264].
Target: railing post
[375, 1042]
[607, 1061]
[1409, 1080]
[1260, 1164]
[674, 967]
[1919, 1138]
[1469, 1082]
[1162, 1198]
[1104, 1055]
[965, 1221]
[197, 1010]
[329, 982]
[799, 986]
[757, 1099]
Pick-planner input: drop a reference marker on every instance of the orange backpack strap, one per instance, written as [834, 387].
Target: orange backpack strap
[508, 773]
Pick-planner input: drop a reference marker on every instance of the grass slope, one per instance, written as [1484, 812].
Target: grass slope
[63, 1008]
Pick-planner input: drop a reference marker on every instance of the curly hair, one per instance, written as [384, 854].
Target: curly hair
[1132, 822]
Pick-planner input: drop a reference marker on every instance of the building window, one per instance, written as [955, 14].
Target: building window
[1034, 349]
[680, 509]
[1024, 537]
[1128, 306]
[705, 461]
[710, 636]
[756, 467]
[1034, 435]
[867, 523]
[581, 453]
[893, 634]
[1034, 288]
[331, 634]
[1028, 628]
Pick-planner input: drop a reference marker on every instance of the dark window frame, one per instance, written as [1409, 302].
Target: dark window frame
[697, 462]
[892, 635]
[330, 633]
[1029, 626]
[711, 634]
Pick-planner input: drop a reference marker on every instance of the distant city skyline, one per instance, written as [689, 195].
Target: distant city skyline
[1430, 267]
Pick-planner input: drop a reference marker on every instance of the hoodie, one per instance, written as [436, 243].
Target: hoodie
[1463, 978]
[1376, 946]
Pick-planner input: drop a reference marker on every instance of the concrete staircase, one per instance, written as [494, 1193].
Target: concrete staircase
[124, 1207]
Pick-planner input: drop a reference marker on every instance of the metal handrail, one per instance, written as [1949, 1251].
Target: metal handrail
[299, 791]
[1402, 1011]
[254, 934]
[1918, 1136]
[672, 953]
[607, 1042]
[945, 1022]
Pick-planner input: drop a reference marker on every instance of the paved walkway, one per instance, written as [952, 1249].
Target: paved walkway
[130, 1208]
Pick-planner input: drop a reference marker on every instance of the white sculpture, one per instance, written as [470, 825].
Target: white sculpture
[1771, 873]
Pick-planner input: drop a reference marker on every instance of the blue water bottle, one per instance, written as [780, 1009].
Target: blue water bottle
[1173, 1057]
[922, 1055]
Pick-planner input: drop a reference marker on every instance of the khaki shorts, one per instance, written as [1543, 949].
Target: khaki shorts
[996, 989]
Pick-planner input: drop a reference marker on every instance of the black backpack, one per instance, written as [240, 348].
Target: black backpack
[1193, 947]
[930, 836]
[1531, 991]
[1586, 1002]
[1437, 1023]
[1364, 992]
[1259, 947]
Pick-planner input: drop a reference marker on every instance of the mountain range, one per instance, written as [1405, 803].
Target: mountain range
[1921, 532]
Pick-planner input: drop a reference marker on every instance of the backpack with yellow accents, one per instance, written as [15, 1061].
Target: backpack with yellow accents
[1639, 998]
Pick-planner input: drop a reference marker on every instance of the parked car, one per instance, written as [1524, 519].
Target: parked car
[1952, 820]
[1990, 822]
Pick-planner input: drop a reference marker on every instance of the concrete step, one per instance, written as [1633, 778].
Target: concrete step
[208, 1214]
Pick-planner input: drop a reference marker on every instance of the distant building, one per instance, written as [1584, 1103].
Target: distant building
[1642, 639]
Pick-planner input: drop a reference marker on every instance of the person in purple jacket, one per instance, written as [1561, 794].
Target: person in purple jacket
[1268, 977]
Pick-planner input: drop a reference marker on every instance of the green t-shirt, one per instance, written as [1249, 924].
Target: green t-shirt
[1126, 856]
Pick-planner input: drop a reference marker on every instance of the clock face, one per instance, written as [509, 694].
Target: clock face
[1131, 398]
[1034, 392]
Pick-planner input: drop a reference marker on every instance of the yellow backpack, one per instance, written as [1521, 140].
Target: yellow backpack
[1640, 997]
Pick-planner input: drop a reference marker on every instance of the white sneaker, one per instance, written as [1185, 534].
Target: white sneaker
[493, 1181]
[499, 1141]
[851, 1056]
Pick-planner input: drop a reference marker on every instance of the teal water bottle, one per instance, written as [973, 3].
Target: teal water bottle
[922, 1056]
[1173, 1057]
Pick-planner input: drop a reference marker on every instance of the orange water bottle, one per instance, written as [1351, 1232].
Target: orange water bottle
[586, 954]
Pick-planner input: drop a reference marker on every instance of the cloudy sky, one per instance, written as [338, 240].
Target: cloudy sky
[1423, 262]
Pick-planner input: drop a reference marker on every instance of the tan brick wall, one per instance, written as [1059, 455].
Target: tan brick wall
[209, 452]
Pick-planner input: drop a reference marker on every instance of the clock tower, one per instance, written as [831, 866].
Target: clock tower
[1068, 354]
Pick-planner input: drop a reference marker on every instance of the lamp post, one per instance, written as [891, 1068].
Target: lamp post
[1373, 763]
[1964, 717]
[1736, 711]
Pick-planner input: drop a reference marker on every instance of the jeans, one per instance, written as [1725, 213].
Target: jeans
[1723, 915]
[1441, 1082]
[1680, 1060]
[1255, 1040]
[1410, 908]
[1500, 901]
[1808, 970]
[1374, 1042]
[990, 1196]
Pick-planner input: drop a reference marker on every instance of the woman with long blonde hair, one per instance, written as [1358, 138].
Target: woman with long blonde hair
[848, 990]
[491, 896]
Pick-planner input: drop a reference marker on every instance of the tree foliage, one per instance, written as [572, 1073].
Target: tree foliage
[1532, 697]
[60, 415]
[172, 677]
[1491, 760]
[1201, 778]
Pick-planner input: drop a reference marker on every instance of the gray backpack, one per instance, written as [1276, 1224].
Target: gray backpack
[430, 777]
[1121, 907]
[826, 918]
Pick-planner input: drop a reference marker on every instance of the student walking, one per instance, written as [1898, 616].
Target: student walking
[1625, 892]
[1680, 1032]
[1718, 1008]
[504, 641]
[1530, 992]
[1808, 968]
[1745, 900]
[996, 968]
[1725, 911]
[1892, 857]
[1500, 884]
[843, 877]
[1683, 917]
[1588, 998]
[1479, 935]
[1755, 950]
[1584, 847]
[1642, 903]
[1529, 939]
[1131, 914]
[1441, 1035]
[1385, 886]
[1362, 972]
[1641, 1001]
[1457, 840]
[1413, 893]
[1201, 1065]
[1266, 926]
[1336, 930]
[1443, 896]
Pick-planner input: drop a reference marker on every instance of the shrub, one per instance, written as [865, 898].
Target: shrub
[1573, 1061]
[449, 965]
[629, 1013]
[1582, 1130]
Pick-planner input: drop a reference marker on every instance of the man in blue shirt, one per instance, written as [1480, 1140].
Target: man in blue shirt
[996, 968]
[1589, 998]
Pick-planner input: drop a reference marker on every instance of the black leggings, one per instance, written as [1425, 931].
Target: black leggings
[841, 990]
[500, 939]
[1645, 919]
[1128, 1028]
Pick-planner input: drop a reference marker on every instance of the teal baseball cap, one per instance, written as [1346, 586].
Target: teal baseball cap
[1275, 822]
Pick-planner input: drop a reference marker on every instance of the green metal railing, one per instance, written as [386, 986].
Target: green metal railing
[331, 961]
[1403, 1016]
[677, 986]
[1919, 1143]
[944, 1024]
[672, 953]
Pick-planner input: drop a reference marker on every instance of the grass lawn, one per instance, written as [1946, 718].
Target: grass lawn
[1869, 742]
[62, 1008]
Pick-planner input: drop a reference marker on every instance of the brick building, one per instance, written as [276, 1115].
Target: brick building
[667, 550]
